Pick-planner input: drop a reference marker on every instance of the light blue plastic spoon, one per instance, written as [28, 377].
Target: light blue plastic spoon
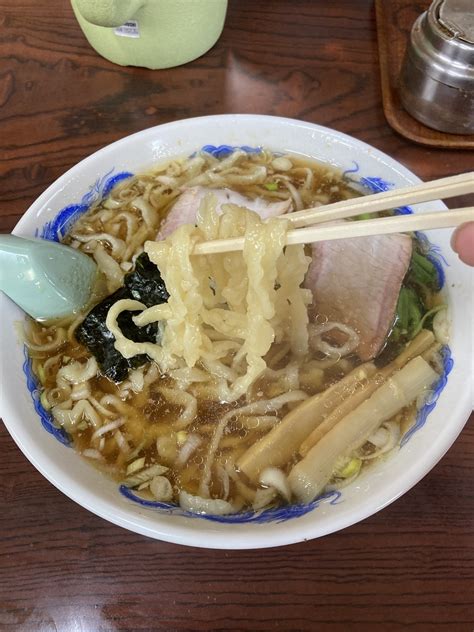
[46, 279]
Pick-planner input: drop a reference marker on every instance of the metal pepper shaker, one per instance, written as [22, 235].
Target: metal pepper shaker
[437, 77]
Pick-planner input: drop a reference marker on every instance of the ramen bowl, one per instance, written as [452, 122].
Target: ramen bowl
[438, 423]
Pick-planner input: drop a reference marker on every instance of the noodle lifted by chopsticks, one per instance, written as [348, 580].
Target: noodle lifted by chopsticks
[225, 311]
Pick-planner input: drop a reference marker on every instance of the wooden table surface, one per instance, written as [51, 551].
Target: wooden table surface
[410, 567]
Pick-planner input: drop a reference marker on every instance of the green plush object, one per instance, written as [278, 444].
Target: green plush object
[151, 33]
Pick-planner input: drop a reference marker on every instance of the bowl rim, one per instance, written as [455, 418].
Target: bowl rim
[178, 533]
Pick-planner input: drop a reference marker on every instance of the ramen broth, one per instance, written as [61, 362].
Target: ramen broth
[128, 427]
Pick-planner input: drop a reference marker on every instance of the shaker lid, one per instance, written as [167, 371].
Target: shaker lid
[457, 17]
[442, 43]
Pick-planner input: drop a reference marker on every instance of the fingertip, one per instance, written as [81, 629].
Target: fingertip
[462, 242]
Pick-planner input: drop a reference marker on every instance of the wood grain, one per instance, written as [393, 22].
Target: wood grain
[410, 567]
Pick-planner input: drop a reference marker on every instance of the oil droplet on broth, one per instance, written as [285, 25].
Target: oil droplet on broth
[324, 189]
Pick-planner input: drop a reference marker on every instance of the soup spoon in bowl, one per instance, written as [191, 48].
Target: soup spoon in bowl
[46, 279]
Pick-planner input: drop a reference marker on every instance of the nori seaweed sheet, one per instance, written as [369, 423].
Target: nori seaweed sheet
[143, 284]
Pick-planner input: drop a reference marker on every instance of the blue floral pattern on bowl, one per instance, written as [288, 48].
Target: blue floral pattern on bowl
[222, 151]
[56, 230]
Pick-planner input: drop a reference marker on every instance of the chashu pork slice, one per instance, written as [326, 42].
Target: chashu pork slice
[185, 209]
[357, 282]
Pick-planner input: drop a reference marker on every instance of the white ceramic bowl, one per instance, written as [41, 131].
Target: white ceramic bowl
[372, 491]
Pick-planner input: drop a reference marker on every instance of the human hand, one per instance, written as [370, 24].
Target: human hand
[462, 242]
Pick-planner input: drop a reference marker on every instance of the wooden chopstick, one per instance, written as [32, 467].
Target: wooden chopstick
[347, 230]
[443, 188]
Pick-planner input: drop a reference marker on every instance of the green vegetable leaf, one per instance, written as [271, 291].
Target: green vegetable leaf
[271, 186]
[423, 271]
[426, 317]
[409, 314]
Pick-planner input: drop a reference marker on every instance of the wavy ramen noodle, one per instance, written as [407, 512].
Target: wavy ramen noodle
[241, 394]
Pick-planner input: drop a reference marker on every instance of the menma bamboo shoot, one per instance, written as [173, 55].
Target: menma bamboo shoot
[308, 478]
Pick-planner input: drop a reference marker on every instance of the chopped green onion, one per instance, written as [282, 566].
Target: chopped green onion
[181, 437]
[271, 186]
[351, 469]
[363, 216]
[346, 466]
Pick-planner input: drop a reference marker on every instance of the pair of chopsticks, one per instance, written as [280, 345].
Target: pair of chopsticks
[306, 223]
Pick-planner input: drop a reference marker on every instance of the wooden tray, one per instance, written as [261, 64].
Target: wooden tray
[394, 21]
